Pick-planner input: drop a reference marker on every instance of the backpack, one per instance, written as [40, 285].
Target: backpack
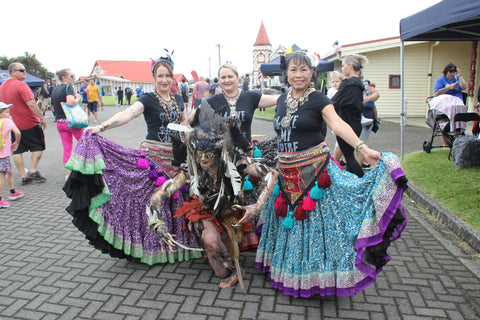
[184, 89]
[2, 140]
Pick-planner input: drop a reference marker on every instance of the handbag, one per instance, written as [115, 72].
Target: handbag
[76, 117]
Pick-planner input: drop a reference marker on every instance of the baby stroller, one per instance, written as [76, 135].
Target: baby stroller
[441, 118]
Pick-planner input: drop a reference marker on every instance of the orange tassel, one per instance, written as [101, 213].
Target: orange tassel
[324, 180]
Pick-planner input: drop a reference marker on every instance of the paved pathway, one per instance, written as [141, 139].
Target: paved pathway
[49, 271]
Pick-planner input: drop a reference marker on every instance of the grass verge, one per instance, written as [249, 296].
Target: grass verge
[269, 113]
[458, 190]
[112, 100]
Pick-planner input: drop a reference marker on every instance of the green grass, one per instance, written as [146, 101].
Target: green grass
[112, 100]
[458, 190]
[269, 113]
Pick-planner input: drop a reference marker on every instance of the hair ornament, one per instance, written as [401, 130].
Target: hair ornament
[166, 57]
[312, 59]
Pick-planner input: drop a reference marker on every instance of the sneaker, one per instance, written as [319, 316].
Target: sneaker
[26, 181]
[366, 166]
[366, 121]
[14, 196]
[36, 176]
[4, 204]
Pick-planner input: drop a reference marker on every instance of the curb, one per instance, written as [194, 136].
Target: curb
[453, 222]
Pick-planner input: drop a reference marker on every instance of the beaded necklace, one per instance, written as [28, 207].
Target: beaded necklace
[293, 105]
[168, 108]
[232, 106]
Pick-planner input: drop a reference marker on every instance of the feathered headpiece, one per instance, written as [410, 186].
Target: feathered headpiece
[312, 59]
[211, 132]
[166, 57]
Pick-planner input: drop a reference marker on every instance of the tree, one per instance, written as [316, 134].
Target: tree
[32, 65]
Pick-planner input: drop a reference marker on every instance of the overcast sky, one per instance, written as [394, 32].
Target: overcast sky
[73, 34]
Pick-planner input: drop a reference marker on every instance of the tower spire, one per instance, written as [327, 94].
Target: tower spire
[262, 38]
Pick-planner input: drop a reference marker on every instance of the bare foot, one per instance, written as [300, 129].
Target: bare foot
[231, 280]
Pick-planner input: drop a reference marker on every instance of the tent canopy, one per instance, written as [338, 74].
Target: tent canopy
[32, 81]
[272, 68]
[447, 20]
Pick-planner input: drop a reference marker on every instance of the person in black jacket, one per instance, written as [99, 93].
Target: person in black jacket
[348, 102]
[120, 96]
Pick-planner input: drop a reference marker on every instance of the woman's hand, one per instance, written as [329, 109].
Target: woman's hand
[94, 130]
[370, 155]
[452, 86]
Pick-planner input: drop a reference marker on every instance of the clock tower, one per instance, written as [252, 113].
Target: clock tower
[262, 50]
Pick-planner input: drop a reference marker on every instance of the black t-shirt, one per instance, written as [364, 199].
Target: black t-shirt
[60, 95]
[43, 92]
[306, 125]
[247, 102]
[348, 102]
[157, 119]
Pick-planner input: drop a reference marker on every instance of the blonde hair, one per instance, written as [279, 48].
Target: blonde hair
[62, 73]
[358, 61]
[229, 66]
[336, 75]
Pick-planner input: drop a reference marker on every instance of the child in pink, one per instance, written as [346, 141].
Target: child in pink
[6, 148]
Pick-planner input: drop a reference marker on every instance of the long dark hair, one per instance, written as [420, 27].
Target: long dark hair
[299, 58]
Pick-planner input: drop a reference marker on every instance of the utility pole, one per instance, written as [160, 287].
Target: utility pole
[219, 57]
[210, 68]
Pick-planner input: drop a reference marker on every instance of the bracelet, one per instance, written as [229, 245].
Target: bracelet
[359, 146]
[101, 127]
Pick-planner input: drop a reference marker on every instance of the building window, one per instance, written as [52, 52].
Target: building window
[394, 81]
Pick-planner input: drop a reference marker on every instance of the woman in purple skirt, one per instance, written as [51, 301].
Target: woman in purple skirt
[111, 185]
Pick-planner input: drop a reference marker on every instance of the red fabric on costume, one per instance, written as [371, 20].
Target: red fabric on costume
[193, 211]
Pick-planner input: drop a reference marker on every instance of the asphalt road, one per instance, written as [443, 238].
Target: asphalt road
[49, 271]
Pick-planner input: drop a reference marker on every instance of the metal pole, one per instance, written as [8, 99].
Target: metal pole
[402, 90]
[219, 57]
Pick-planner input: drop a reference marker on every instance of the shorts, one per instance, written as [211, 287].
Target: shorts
[92, 106]
[5, 165]
[46, 102]
[32, 139]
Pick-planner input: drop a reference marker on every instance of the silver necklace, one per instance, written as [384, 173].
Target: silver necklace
[293, 105]
[232, 106]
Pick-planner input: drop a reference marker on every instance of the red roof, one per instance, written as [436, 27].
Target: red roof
[262, 38]
[370, 41]
[130, 70]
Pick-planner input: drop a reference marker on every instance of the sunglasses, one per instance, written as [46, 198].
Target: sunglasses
[452, 70]
[21, 70]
